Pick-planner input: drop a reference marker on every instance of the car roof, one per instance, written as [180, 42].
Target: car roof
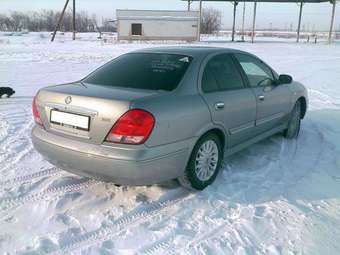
[193, 51]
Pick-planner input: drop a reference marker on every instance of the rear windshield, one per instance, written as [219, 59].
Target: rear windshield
[153, 71]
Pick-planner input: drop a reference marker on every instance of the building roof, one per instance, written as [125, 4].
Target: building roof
[156, 13]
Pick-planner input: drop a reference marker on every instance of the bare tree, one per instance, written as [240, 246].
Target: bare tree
[18, 20]
[5, 22]
[45, 20]
[211, 20]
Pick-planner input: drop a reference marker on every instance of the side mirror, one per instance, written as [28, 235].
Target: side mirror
[285, 79]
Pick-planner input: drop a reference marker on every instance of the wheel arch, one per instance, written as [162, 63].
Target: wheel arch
[219, 133]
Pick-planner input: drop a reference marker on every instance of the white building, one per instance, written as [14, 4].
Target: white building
[157, 25]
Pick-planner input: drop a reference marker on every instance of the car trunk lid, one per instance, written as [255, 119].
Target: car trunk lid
[66, 109]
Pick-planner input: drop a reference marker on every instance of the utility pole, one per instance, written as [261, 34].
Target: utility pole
[254, 19]
[59, 21]
[332, 22]
[199, 23]
[299, 24]
[243, 18]
[234, 17]
[74, 20]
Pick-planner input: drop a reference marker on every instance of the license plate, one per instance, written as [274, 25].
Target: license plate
[70, 120]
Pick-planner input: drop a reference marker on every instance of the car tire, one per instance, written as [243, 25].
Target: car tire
[294, 123]
[204, 163]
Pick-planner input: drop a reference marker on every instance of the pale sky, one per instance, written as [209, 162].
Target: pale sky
[281, 15]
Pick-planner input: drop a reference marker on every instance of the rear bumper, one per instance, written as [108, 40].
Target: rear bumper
[128, 165]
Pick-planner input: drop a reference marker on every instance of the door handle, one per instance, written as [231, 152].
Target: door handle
[219, 105]
[261, 97]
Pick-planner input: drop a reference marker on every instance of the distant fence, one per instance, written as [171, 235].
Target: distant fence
[311, 36]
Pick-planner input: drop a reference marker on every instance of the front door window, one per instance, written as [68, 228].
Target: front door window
[257, 72]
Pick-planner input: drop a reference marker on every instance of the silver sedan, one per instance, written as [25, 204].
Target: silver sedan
[165, 113]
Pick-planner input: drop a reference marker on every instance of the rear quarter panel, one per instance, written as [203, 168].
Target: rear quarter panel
[178, 117]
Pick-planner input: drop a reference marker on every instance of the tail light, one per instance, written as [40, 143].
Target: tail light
[36, 114]
[134, 127]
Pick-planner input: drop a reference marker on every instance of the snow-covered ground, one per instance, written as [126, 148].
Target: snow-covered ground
[276, 197]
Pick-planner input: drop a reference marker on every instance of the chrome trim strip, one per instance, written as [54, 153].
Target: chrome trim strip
[71, 109]
[269, 118]
[242, 127]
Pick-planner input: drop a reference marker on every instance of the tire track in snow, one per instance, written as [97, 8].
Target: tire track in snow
[53, 171]
[4, 126]
[10, 203]
[15, 136]
[12, 156]
[17, 144]
[15, 100]
[215, 232]
[158, 246]
[164, 245]
[287, 153]
[302, 146]
[122, 224]
[13, 125]
[228, 229]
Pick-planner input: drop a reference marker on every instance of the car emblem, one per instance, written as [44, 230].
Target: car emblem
[68, 100]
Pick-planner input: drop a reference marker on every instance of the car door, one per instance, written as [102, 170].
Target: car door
[272, 100]
[232, 104]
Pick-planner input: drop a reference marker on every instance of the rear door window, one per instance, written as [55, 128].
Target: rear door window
[221, 74]
[151, 71]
